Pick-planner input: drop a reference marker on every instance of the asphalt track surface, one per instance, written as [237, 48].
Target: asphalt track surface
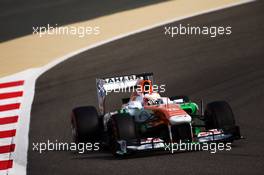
[18, 17]
[227, 68]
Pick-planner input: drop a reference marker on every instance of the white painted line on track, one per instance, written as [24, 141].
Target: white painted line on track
[65, 57]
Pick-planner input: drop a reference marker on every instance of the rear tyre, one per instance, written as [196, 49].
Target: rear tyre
[85, 124]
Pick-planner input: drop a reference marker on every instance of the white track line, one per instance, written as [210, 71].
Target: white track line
[21, 139]
[71, 54]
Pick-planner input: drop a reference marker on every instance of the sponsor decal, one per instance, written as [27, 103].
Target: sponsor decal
[122, 79]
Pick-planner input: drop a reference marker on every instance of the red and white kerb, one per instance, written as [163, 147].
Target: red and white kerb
[11, 94]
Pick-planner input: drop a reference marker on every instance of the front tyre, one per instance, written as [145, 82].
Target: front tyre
[219, 115]
[121, 127]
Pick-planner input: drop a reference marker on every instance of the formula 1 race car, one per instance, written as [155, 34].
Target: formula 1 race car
[148, 121]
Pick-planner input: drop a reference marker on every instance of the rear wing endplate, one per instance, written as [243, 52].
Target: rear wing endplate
[105, 86]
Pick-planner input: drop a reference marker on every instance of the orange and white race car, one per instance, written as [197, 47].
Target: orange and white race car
[147, 120]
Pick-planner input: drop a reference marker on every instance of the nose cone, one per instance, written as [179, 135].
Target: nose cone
[175, 120]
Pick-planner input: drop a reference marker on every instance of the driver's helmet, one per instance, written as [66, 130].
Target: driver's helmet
[145, 86]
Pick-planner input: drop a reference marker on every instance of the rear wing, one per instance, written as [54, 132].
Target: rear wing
[105, 86]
